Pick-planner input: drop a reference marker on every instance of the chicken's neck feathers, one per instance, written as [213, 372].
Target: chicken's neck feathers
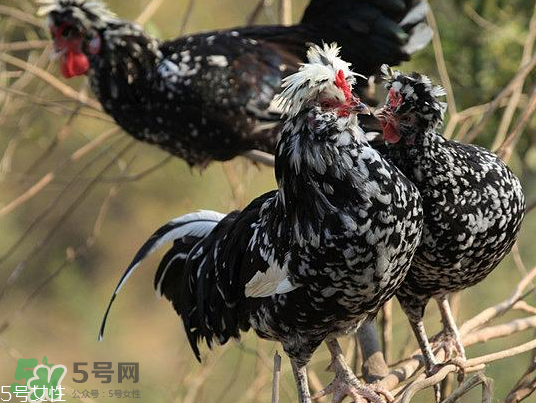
[323, 172]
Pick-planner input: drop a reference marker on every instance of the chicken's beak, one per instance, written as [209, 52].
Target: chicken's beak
[360, 108]
[56, 53]
[381, 114]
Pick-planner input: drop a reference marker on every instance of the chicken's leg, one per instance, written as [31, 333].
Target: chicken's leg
[300, 375]
[346, 383]
[430, 362]
[452, 339]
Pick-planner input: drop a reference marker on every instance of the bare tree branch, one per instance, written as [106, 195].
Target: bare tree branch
[50, 79]
[441, 64]
[186, 17]
[261, 4]
[49, 177]
[495, 103]
[285, 12]
[276, 378]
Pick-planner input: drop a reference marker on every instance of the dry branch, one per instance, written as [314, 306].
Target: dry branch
[276, 378]
[526, 385]
[186, 16]
[51, 80]
[496, 102]
[22, 16]
[49, 177]
[506, 149]
[261, 4]
[71, 255]
[149, 11]
[24, 45]
[475, 380]
[440, 61]
[17, 271]
[514, 100]
[285, 12]
[405, 369]
[501, 308]
[260, 157]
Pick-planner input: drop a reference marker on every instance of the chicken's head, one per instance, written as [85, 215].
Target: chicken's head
[76, 28]
[323, 84]
[411, 107]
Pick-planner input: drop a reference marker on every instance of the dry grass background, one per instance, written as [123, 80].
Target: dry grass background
[79, 197]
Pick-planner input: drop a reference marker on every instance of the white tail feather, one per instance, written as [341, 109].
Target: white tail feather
[198, 224]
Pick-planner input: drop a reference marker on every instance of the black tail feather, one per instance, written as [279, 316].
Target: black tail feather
[185, 231]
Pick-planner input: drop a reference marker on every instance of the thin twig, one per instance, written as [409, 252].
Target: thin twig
[513, 102]
[71, 255]
[260, 157]
[22, 16]
[285, 12]
[17, 271]
[24, 45]
[477, 379]
[261, 4]
[506, 149]
[50, 79]
[495, 103]
[50, 105]
[49, 177]
[46, 211]
[186, 17]
[140, 175]
[526, 384]
[502, 307]
[440, 60]
[276, 378]
[148, 11]
[503, 330]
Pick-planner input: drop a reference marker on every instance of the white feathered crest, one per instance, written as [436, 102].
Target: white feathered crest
[389, 76]
[92, 12]
[313, 78]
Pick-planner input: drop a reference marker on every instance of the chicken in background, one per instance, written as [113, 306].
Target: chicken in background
[209, 96]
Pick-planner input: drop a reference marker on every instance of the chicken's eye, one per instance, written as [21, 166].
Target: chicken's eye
[406, 119]
[328, 103]
[70, 32]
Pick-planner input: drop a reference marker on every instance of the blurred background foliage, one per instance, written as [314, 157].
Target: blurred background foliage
[56, 274]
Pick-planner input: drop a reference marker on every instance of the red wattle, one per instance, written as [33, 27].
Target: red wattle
[74, 64]
[390, 133]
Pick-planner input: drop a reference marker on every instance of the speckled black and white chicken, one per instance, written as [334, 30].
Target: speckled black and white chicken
[473, 204]
[310, 260]
[209, 96]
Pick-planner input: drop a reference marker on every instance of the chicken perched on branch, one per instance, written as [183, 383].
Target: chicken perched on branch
[473, 205]
[310, 260]
[209, 96]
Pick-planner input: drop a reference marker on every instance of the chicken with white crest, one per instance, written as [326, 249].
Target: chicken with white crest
[473, 206]
[310, 260]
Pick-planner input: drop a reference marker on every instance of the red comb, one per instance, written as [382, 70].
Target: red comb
[340, 82]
